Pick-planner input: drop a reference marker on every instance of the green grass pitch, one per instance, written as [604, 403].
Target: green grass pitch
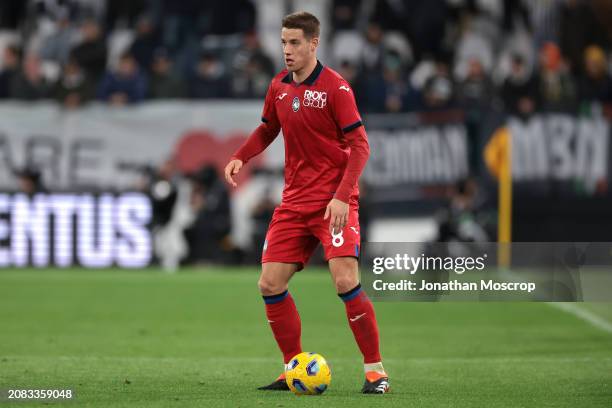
[200, 338]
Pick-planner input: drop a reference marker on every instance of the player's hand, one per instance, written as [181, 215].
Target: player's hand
[337, 212]
[232, 168]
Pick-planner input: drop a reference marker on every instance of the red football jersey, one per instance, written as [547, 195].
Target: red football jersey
[316, 117]
[325, 146]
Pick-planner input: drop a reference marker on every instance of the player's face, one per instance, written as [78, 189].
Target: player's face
[297, 49]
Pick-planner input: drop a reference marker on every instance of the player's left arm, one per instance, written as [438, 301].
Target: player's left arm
[347, 117]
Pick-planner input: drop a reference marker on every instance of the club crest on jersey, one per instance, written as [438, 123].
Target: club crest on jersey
[295, 104]
[315, 99]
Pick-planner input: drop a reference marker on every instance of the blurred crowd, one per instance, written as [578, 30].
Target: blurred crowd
[192, 220]
[124, 52]
[520, 56]
[399, 55]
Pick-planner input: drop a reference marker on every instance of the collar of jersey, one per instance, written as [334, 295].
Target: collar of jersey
[288, 79]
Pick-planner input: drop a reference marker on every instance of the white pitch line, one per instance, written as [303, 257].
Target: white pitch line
[258, 360]
[583, 314]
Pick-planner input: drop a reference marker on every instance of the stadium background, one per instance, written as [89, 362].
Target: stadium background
[117, 117]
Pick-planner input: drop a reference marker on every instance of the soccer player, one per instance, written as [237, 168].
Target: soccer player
[326, 149]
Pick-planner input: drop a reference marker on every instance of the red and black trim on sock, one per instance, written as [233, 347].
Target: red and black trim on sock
[351, 294]
[275, 298]
[285, 323]
[362, 320]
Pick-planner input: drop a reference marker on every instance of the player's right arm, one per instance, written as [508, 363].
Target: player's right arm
[259, 140]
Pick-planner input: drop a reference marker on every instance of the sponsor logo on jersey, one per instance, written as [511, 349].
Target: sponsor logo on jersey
[281, 96]
[315, 99]
[345, 88]
[295, 105]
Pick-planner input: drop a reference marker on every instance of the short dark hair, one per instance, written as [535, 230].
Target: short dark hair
[304, 21]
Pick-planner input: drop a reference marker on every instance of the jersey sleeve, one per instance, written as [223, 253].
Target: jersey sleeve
[360, 152]
[264, 134]
[344, 108]
[348, 119]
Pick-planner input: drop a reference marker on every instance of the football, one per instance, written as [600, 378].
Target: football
[308, 374]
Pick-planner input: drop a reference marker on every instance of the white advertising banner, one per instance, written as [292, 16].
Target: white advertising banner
[101, 147]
